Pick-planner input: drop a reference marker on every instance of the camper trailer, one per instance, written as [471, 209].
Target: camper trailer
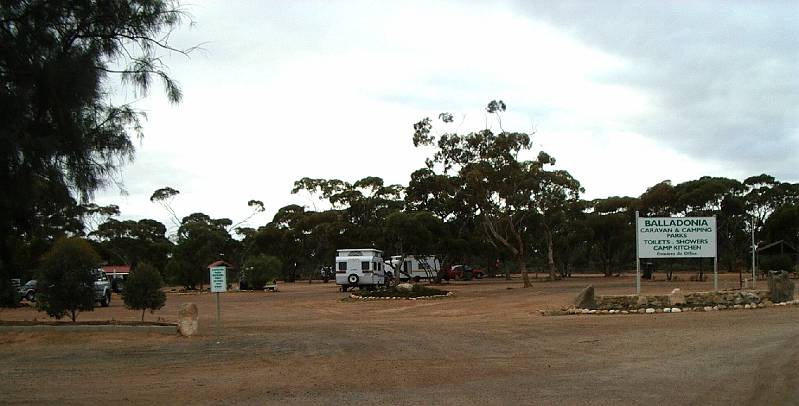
[415, 268]
[360, 267]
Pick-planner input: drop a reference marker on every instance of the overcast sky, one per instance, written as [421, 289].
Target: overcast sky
[623, 94]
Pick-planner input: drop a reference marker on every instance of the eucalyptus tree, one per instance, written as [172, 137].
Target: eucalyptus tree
[130, 242]
[764, 195]
[783, 224]
[365, 204]
[414, 233]
[303, 240]
[573, 238]
[611, 221]
[554, 193]
[704, 196]
[200, 241]
[658, 200]
[499, 188]
[463, 239]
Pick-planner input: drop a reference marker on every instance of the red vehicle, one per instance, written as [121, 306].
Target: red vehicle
[464, 272]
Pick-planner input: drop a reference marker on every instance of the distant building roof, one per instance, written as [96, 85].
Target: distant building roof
[778, 247]
[116, 269]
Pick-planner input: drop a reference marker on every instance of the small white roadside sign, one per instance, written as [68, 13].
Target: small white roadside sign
[218, 279]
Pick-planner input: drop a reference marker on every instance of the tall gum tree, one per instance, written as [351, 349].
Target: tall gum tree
[502, 190]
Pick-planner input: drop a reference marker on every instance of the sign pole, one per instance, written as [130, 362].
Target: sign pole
[754, 250]
[218, 284]
[218, 315]
[716, 264]
[637, 259]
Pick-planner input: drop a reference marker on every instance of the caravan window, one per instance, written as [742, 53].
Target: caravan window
[342, 266]
[365, 266]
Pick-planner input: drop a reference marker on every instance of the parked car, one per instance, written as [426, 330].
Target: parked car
[102, 288]
[28, 291]
[464, 272]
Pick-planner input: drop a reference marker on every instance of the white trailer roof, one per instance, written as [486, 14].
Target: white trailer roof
[359, 252]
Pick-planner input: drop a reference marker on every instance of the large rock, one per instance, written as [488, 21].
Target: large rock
[676, 297]
[405, 286]
[745, 297]
[187, 319]
[780, 287]
[585, 299]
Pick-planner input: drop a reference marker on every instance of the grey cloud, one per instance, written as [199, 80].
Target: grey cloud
[723, 76]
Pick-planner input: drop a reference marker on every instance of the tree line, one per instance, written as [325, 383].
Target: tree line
[482, 197]
[475, 201]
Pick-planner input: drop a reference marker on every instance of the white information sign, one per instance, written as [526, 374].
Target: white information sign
[218, 279]
[676, 237]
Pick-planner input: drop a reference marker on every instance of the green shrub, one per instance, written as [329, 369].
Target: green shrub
[9, 296]
[143, 290]
[260, 270]
[66, 280]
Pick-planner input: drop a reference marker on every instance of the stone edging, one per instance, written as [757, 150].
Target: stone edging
[358, 297]
[92, 328]
[651, 310]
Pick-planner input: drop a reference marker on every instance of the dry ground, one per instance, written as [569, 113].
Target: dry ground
[485, 345]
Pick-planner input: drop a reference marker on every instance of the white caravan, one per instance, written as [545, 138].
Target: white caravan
[415, 268]
[360, 267]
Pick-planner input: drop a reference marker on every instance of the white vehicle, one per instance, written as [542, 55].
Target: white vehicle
[415, 268]
[360, 267]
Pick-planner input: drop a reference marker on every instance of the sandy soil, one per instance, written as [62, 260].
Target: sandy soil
[485, 345]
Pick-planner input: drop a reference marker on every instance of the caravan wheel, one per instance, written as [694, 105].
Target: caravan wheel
[353, 279]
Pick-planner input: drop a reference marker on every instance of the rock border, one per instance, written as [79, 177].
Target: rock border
[651, 310]
[369, 298]
[91, 328]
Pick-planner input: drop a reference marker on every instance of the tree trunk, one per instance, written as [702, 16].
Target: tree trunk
[73, 314]
[518, 252]
[551, 256]
[523, 270]
[142, 314]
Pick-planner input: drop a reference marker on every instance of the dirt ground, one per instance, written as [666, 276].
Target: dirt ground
[487, 345]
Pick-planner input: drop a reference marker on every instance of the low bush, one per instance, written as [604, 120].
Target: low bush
[143, 290]
[66, 281]
[392, 291]
[259, 271]
[9, 297]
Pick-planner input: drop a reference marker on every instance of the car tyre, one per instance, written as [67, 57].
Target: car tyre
[106, 300]
[30, 296]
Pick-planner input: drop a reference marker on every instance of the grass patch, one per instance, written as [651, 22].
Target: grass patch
[392, 291]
